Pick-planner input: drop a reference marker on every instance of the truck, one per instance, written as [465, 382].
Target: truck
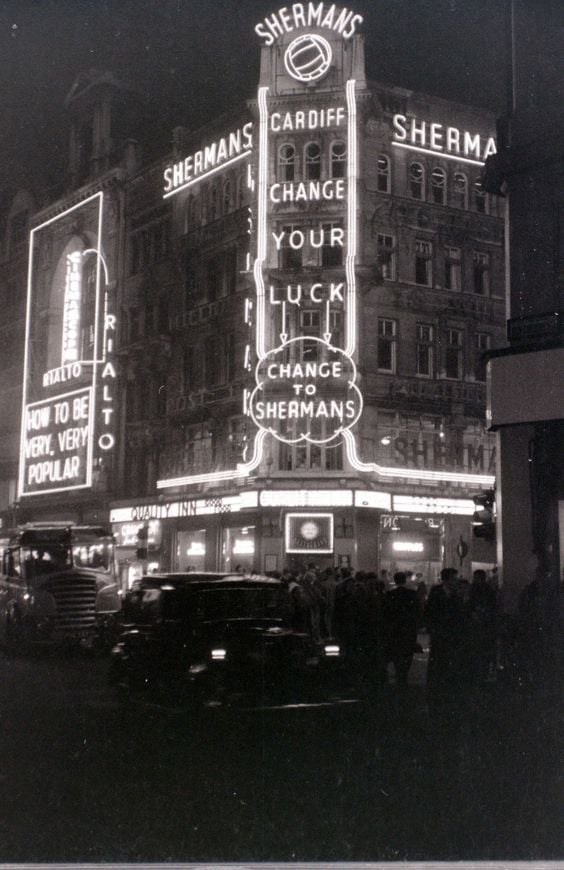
[58, 584]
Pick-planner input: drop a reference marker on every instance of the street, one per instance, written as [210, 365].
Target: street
[83, 779]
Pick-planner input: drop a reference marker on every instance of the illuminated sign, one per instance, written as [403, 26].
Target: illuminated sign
[305, 15]
[70, 326]
[185, 508]
[420, 504]
[309, 533]
[127, 534]
[432, 138]
[211, 158]
[408, 546]
[306, 498]
[305, 372]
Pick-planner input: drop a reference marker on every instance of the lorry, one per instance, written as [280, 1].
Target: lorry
[58, 583]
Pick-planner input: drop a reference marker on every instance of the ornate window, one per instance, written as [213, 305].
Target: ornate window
[416, 181]
[438, 186]
[313, 161]
[287, 162]
[384, 174]
[338, 160]
[460, 190]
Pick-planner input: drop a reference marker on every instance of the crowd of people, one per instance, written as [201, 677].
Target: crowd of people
[378, 619]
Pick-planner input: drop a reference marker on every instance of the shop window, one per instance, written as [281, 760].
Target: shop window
[338, 160]
[480, 197]
[384, 183]
[453, 354]
[387, 337]
[453, 268]
[286, 162]
[482, 345]
[460, 190]
[313, 161]
[416, 181]
[423, 262]
[481, 273]
[387, 256]
[424, 350]
[438, 186]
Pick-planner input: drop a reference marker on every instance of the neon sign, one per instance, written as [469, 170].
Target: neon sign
[431, 138]
[286, 20]
[60, 431]
[211, 158]
[309, 533]
[291, 400]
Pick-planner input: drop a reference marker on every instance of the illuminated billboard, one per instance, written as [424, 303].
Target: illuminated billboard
[69, 375]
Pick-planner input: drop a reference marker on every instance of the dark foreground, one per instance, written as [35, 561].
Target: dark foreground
[82, 780]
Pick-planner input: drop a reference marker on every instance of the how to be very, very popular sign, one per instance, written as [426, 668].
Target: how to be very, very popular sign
[69, 373]
[305, 327]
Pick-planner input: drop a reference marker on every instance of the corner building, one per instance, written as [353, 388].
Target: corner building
[310, 286]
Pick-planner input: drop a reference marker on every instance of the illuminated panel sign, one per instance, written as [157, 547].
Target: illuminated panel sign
[408, 546]
[68, 389]
[309, 533]
[209, 159]
[431, 138]
[421, 505]
[306, 498]
[372, 499]
[127, 534]
[185, 508]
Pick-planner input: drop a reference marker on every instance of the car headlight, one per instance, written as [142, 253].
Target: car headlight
[218, 655]
[197, 669]
[332, 650]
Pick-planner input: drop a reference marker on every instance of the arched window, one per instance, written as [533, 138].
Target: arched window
[212, 214]
[480, 197]
[338, 160]
[384, 174]
[226, 196]
[313, 161]
[286, 162]
[189, 213]
[438, 186]
[460, 190]
[417, 181]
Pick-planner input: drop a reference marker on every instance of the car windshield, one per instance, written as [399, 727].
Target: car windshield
[238, 603]
[92, 552]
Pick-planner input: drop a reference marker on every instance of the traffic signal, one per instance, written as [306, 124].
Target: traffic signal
[483, 519]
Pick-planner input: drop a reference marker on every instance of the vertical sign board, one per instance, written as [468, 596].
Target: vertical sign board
[69, 375]
[306, 213]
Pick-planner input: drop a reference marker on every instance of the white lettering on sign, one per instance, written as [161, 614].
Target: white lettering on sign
[333, 238]
[313, 119]
[62, 374]
[451, 142]
[307, 191]
[71, 308]
[228, 149]
[306, 15]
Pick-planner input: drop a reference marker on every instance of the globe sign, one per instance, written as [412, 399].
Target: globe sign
[308, 57]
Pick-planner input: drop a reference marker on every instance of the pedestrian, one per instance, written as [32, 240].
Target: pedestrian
[445, 619]
[328, 587]
[401, 620]
[482, 628]
[313, 602]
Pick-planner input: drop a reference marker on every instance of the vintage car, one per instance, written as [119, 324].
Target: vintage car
[198, 639]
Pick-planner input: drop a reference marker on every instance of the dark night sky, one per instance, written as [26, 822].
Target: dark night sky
[193, 59]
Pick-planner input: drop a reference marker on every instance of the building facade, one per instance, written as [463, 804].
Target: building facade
[526, 404]
[305, 291]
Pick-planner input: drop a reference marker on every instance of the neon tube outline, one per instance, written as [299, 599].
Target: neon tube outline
[438, 153]
[207, 174]
[21, 475]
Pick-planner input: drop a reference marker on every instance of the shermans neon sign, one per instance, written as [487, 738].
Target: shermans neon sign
[235, 146]
[431, 138]
[286, 20]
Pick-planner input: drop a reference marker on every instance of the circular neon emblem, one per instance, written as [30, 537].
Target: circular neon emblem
[308, 57]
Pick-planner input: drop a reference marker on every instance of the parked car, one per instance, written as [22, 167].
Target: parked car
[220, 639]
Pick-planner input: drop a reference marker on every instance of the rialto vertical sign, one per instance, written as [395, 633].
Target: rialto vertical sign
[304, 314]
[69, 372]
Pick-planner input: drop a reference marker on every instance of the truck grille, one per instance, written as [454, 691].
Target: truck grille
[75, 599]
